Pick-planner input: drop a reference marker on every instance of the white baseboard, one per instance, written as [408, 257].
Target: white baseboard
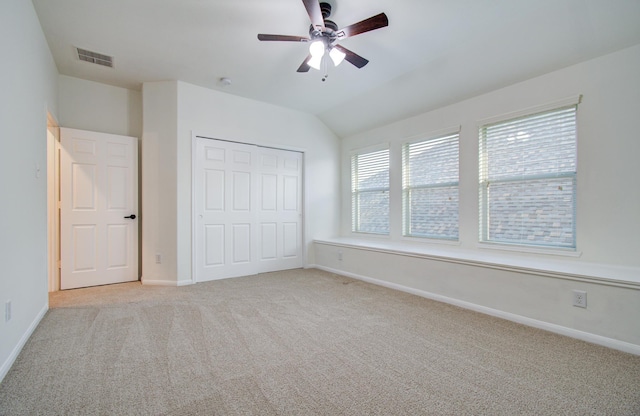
[166, 283]
[558, 329]
[6, 366]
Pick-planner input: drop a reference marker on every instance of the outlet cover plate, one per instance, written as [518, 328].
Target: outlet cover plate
[580, 298]
[7, 311]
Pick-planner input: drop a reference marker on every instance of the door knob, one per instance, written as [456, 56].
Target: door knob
[132, 216]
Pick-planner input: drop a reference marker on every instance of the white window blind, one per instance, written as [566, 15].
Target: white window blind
[430, 188]
[528, 180]
[370, 192]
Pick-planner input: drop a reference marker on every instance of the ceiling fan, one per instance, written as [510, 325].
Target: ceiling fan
[324, 35]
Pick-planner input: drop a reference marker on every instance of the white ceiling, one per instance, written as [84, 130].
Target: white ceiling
[433, 53]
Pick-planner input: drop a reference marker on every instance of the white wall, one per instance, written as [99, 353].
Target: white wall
[28, 81]
[608, 147]
[159, 191]
[527, 296]
[218, 115]
[608, 204]
[88, 105]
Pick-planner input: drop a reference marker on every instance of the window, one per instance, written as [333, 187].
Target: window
[370, 192]
[528, 180]
[430, 188]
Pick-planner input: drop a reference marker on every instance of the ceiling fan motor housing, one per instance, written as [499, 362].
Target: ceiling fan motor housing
[330, 26]
[325, 8]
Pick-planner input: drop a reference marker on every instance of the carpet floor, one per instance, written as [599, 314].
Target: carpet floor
[302, 342]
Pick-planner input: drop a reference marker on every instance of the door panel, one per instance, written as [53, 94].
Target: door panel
[291, 196]
[83, 181]
[98, 189]
[118, 246]
[241, 243]
[269, 192]
[117, 180]
[241, 191]
[291, 244]
[214, 190]
[247, 209]
[268, 241]
[214, 245]
[84, 248]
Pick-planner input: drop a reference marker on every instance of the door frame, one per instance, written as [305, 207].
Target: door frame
[53, 207]
[194, 137]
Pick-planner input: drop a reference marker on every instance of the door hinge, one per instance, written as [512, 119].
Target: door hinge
[59, 204]
[59, 264]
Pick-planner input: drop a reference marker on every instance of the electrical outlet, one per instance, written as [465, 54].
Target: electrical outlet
[580, 298]
[7, 311]
[158, 259]
[339, 255]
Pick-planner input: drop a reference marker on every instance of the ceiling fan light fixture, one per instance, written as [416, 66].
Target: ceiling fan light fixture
[337, 56]
[316, 49]
[315, 62]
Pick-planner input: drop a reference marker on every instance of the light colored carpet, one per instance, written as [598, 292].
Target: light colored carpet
[302, 342]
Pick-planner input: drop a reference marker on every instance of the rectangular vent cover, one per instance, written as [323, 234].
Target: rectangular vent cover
[95, 58]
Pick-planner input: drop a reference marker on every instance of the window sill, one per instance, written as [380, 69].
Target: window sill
[531, 263]
[515, 248]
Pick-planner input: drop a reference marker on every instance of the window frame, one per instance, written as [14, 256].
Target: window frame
[355, 191]
[407, 188]
[484, 181]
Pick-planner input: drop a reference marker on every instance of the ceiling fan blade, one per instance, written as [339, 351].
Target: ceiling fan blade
[352, 57]
[367, 25]
[304, 67]
[283, 38]
[315, 14]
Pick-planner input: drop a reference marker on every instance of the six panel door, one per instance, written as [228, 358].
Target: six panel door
[99, 202]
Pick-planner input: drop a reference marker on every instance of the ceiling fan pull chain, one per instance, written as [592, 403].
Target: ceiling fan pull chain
[325, 67]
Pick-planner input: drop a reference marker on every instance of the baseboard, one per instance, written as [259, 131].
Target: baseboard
[558, 329]
[6, 366]
[166, 283]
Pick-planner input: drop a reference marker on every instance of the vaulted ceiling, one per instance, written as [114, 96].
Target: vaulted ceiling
[433, 53]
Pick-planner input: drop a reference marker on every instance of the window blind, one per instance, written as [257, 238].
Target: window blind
[430, 188]
[370, 192]
[528, 179]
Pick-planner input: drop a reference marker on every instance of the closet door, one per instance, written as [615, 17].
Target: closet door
[247, 209]
[279, 211]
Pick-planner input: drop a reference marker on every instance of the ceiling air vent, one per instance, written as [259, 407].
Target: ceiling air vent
[95, 58]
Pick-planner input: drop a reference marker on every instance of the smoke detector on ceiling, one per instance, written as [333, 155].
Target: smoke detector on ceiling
[95, 57]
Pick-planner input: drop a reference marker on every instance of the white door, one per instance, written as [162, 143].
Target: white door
[247, 209]
[99, 208]
[279, 209]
